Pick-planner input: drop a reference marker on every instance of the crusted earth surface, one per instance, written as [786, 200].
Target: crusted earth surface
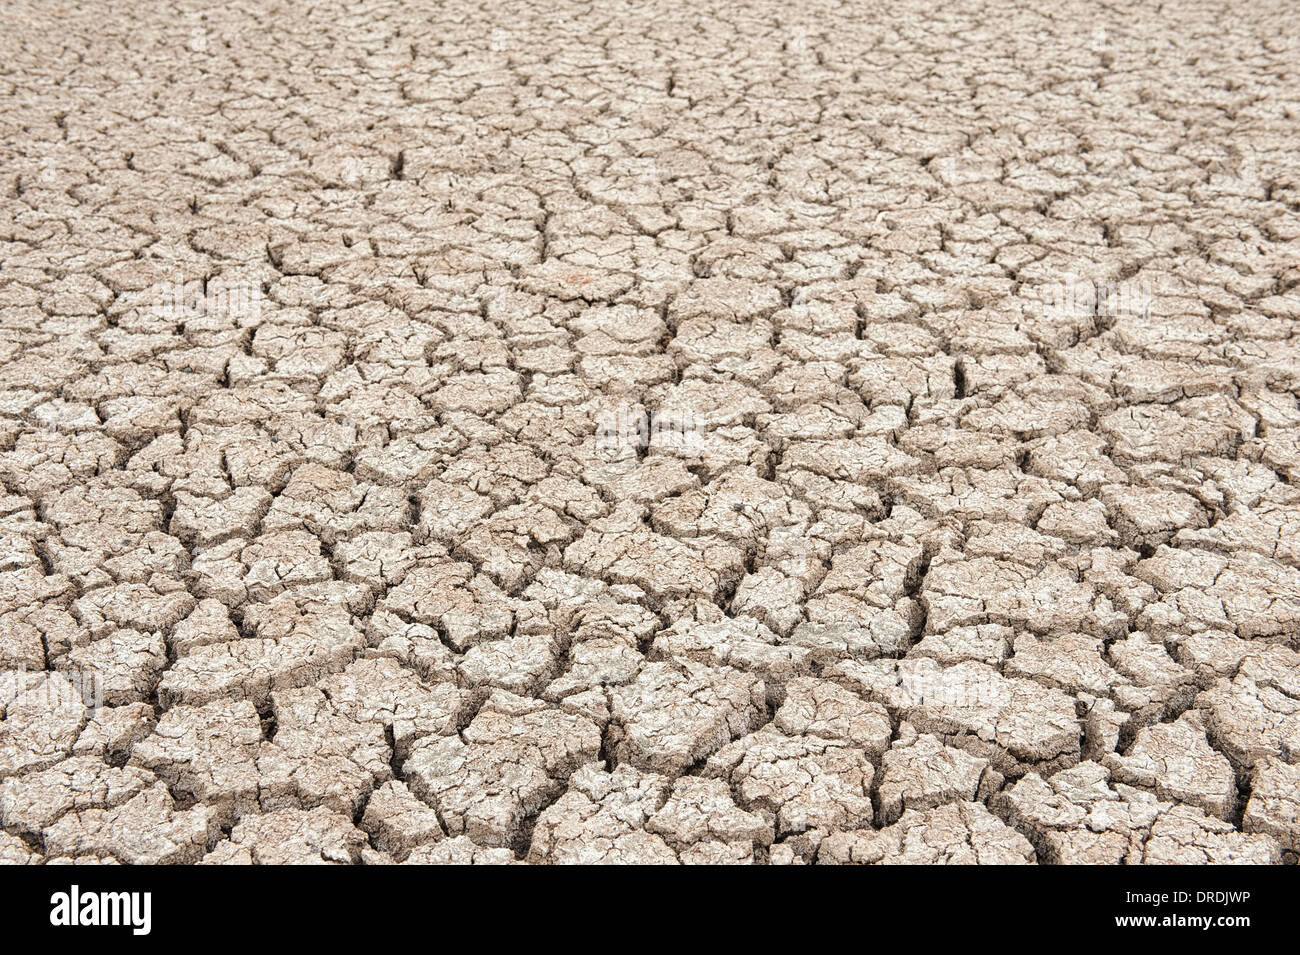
[649, 432]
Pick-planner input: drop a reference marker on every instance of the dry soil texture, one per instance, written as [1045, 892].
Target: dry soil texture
[649, 432]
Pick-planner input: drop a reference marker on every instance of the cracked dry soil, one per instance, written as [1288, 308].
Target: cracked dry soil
[656, 432]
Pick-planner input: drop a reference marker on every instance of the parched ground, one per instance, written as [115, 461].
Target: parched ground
[650, 432]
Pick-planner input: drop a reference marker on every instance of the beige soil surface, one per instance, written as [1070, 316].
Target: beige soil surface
[779, 432]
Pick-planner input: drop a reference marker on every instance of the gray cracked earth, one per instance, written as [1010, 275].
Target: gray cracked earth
[657, 432]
